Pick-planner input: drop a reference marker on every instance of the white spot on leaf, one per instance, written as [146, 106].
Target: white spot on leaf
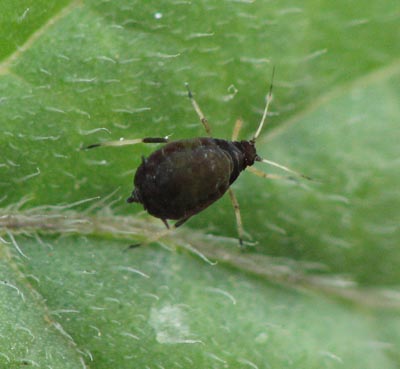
[170, 325]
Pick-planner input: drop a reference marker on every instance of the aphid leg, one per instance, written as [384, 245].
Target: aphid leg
[236, 129]
[261, 174]
[165, 232]
[165, 222]
[196, 107]
[181, 221]
[157, 236]
[133, 141]
[236, 208]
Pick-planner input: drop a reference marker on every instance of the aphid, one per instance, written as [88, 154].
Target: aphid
[184, 177]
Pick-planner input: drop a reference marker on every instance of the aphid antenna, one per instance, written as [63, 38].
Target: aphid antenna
[280, 166]
[260, 127]
[264, 117]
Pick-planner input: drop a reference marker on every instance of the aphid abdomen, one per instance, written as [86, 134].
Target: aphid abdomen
[183, 178]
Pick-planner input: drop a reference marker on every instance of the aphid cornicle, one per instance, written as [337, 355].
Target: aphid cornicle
[184, 177]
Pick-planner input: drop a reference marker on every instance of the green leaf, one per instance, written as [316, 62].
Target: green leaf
[319, 288]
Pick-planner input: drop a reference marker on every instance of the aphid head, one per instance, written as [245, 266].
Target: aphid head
[248, 148]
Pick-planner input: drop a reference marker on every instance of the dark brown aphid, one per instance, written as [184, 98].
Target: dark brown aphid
[184, 177]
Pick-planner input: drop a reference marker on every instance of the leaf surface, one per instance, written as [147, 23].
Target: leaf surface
[319, 289]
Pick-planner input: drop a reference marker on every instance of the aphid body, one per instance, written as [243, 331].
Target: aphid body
[184, 177]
